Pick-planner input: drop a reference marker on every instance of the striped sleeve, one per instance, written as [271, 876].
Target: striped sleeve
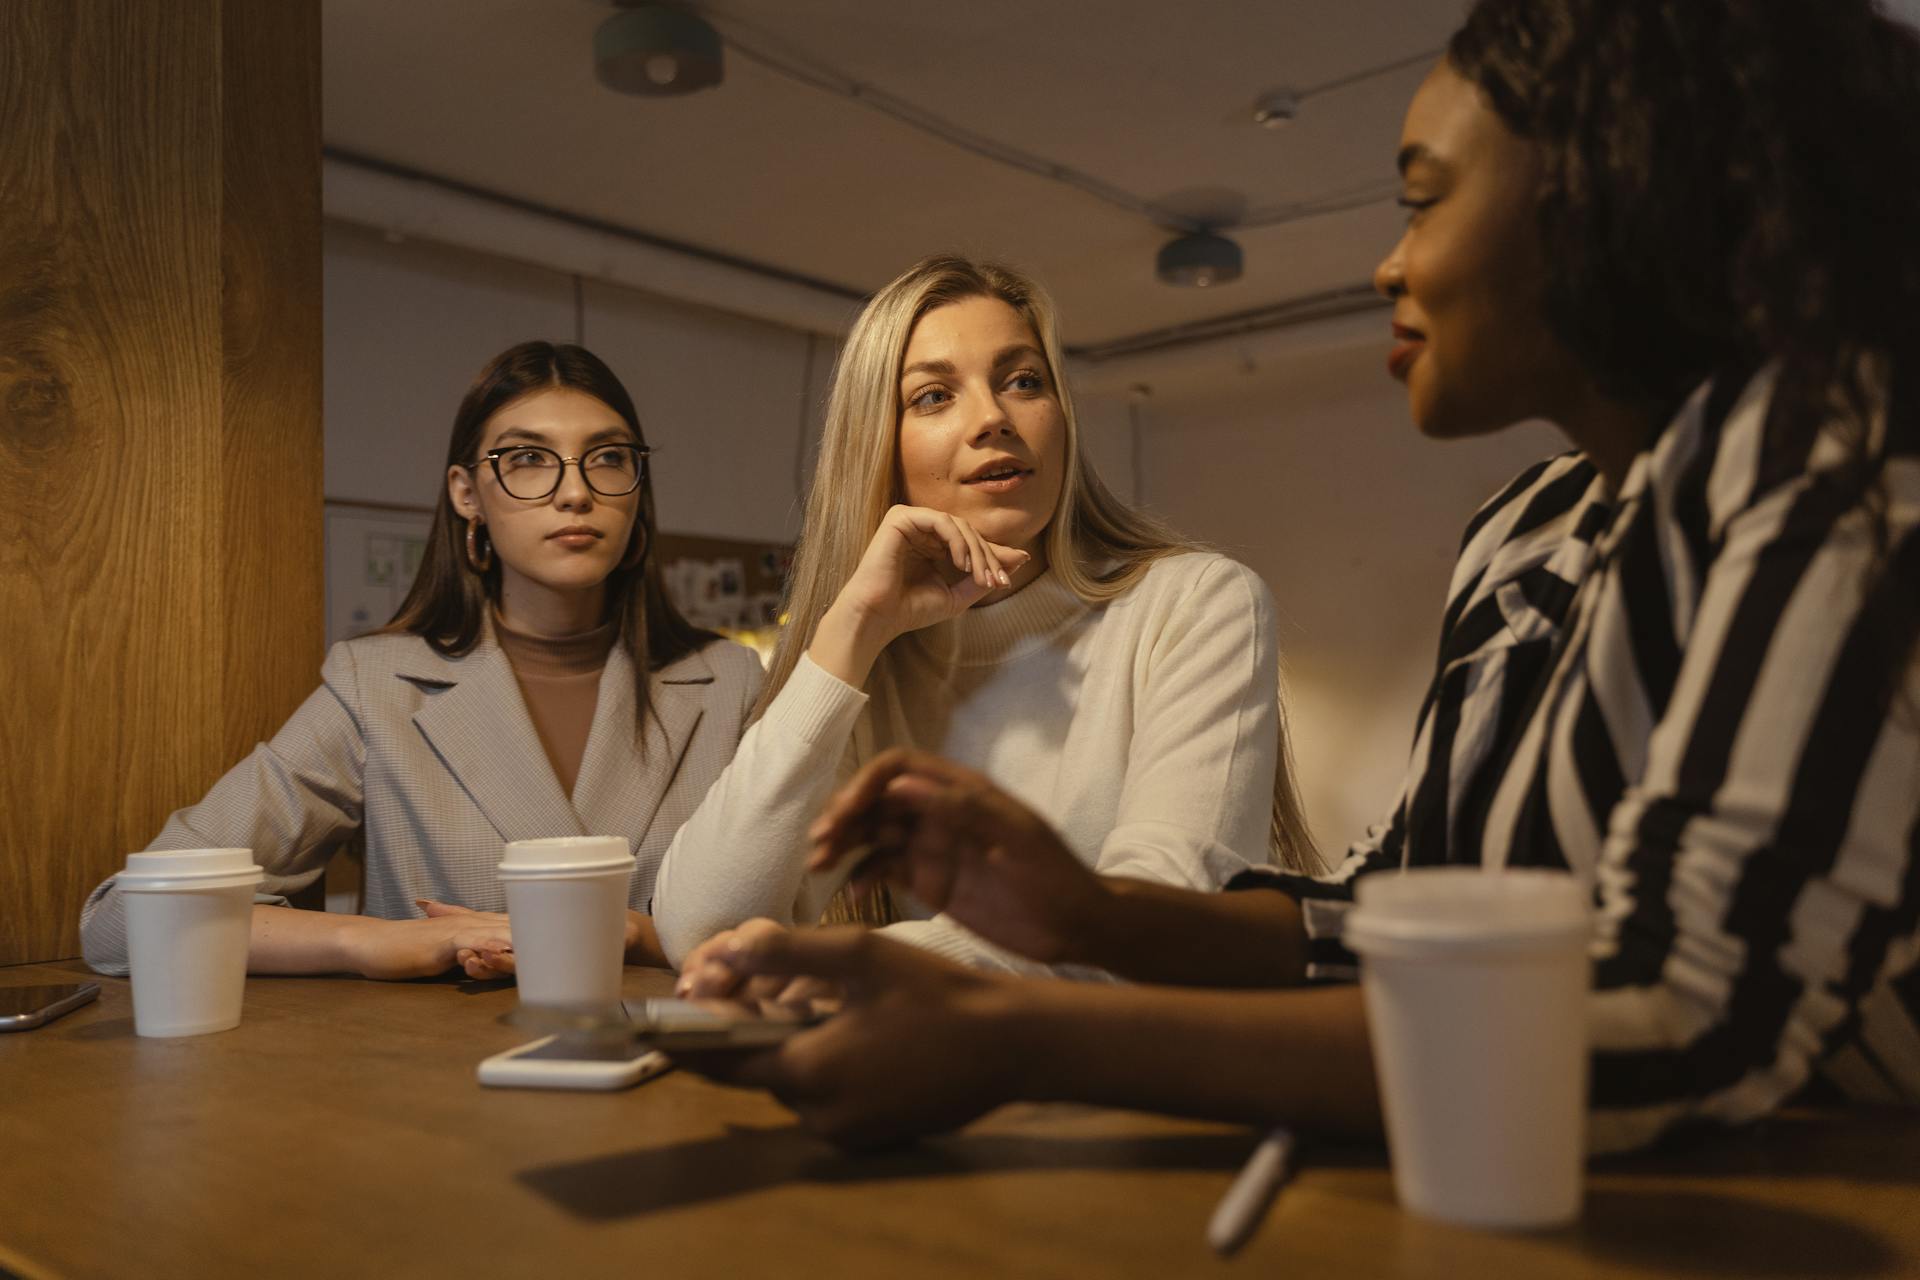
[1524, 509]
[1759, 882]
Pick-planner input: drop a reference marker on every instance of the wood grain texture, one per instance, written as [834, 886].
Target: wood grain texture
[339, 1131]
[124, 532]
[272, 506]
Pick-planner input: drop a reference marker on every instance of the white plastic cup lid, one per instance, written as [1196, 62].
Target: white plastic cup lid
[566, 853]
[190, 868]
[1469, 906]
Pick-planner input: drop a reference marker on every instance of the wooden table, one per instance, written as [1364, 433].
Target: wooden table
[339, 1131]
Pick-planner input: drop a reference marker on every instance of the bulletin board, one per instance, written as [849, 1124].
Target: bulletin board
[373, 553]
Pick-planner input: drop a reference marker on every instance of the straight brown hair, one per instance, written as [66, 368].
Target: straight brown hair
[448, 602]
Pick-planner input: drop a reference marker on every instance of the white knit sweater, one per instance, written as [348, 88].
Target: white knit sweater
[1144, 730]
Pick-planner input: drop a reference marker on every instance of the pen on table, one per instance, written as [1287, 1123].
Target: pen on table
[1246, 1201]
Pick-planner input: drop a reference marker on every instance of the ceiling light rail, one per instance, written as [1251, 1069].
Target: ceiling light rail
[745, 41]
[1330, 304]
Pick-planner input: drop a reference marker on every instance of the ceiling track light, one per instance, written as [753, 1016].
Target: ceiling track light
[1276, 110]
[658, 50]
[1199, 261]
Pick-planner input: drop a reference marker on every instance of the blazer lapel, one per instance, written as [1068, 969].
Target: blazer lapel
[611, 795]
[478, 725]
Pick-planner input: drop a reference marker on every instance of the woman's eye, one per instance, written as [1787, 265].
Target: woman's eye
[1416, 207]
[528, 458]
[931, 398]
[1029, 382]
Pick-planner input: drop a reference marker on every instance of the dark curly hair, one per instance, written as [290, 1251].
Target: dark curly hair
[1727, 183]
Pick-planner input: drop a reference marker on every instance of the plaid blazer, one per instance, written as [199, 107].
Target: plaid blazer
[436, 764]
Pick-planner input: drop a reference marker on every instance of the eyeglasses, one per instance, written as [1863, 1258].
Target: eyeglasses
[531, 471]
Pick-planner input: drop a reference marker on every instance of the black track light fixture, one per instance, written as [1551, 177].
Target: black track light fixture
[657, 50]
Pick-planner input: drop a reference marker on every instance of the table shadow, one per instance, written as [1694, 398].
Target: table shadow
[744, 1160]
[1879, 1146]
[1706, 1233]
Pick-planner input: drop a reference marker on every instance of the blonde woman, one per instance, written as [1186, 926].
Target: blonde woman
[966, 585]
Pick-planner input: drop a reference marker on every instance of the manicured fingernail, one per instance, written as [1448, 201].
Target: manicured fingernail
[1005, 581]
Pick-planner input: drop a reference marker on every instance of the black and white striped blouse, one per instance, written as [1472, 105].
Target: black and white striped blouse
[1701, 698]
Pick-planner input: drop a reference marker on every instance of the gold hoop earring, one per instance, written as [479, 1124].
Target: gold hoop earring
[477, 560]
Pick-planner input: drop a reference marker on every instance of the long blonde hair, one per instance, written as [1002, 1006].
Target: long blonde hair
[1097, 545]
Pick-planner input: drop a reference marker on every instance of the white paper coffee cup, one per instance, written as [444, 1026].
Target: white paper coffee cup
[189, 919]
[567, 901]
[1475, 985]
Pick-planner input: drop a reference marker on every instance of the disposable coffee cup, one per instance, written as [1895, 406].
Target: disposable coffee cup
[1475, 986]
[567, 899]
[189, 916]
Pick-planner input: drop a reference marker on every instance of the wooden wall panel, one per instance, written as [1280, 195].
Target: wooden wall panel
[274, 617]
[131, 546]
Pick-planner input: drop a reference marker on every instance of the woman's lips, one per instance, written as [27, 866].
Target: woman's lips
[1404, 353]
[1000, 484]
[574, 540]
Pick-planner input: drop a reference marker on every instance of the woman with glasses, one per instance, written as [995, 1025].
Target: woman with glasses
[1678, 661]
[965, 583]
[536, 682]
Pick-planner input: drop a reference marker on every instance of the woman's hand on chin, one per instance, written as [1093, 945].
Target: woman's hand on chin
[921, 567]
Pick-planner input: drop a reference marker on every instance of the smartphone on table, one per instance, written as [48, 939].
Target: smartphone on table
[691, 1026]
[24, 1008]
[619, 1048]
[574, 1061]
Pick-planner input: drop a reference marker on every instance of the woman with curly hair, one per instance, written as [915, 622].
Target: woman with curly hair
[1677, 661]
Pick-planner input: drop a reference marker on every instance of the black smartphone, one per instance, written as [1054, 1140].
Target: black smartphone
[708, 1025]
[24, 1008]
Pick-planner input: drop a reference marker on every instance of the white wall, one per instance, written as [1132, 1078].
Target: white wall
[728, 402]
[1296, 457]
[407, 326]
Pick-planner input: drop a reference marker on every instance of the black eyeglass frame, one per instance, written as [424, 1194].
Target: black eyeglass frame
[493, 456]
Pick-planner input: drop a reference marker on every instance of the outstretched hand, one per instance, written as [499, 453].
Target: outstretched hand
[919, 1045]
[959, 844]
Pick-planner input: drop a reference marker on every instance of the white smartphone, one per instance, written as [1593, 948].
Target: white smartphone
[573, 1062]
[706, 1025]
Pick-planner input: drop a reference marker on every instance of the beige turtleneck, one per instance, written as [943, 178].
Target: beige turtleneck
[559, 679]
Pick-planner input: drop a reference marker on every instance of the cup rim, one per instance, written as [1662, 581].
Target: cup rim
[567, 870]
[173, 882]
[1400, 937]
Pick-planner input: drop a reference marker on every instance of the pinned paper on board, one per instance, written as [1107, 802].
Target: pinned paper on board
[373, 554]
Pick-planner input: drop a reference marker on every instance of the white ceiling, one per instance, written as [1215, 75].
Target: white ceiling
[1153, 98]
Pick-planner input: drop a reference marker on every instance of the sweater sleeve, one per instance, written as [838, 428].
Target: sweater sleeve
[1197, 802]
[741, 853]
[292, 801]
